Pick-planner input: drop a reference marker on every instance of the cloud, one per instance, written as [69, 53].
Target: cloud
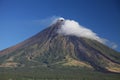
[71, 27]
[114, 46]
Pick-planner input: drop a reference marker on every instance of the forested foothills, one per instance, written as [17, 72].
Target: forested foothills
[53, 73]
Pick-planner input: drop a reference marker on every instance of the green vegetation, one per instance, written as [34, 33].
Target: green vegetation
[53, 73]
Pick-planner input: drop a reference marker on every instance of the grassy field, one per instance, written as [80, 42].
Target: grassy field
[54, 74]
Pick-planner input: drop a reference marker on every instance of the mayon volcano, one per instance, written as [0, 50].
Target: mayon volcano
[63, 44]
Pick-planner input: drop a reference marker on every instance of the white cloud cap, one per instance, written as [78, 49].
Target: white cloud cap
[71, 27]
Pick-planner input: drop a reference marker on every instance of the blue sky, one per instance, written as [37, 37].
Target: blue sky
[21, 19]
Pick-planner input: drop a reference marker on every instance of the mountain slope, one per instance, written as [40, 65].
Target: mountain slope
[49, 48]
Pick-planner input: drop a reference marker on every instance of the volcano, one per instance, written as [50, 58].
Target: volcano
[50, 48]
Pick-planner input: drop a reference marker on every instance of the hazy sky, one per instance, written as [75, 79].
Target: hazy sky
[21, 19]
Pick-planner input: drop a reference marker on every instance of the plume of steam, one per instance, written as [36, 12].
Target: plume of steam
[71, 27]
